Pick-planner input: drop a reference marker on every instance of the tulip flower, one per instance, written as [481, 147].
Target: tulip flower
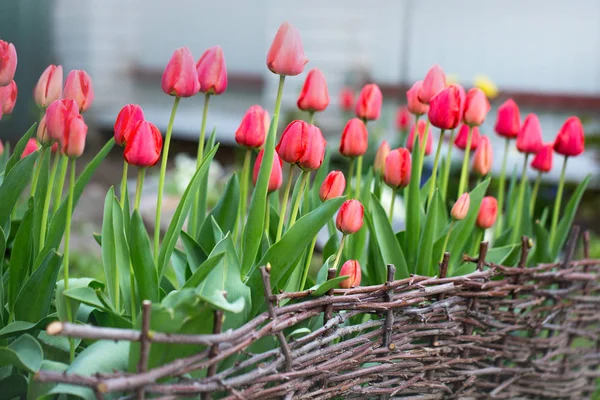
[286, 55]
[333, 186]
[8, 62]
[434, 82]
[144, 145]
[276, 177]
[355, 139]
[1, 148]
[347, 99]
[253, 129]
[350, 217]
[302, 144]
[463, 99]
[483, 157]
[411, 137]
[314, 95]
[31, 147]
[368, 104]
[78, 87]
[42, 133]
[542, 162]
[49, 86]
[461, 207]
[463, 136]
[415, 106]
[180, 78]
[476, 107]
[529, 139]
[58, 118]
[488, 211]
[8, 98]
[351, 268]
[380, 157]
[212, 72]
[403, 119]
[445, 108]
[128, 118]
[73, 140]
[397, 168]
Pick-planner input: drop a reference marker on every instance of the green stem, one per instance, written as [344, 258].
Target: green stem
[38, 168]
[378, 187]
[358, 176]
[423, 143]
[501, 189]
[516, 228]
[311, 117]
[350, 173]
[480, 233]
[559, 194]
[193, 221]
[447, 239]
[268, 218]
[47, 199]
[464, 173]
[435, 168]
[447, 166]
[139, 187]
[298, 200]
[124, 184]
[534, 194]
[339, 252]
[161, 179]
[286, 196]
[62, 176]
[309, 255]
[278, 102]
[244, 178]
[392, 204]
[66, 252]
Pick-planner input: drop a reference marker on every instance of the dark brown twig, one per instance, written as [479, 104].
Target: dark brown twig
[144, 343]
[331, 272]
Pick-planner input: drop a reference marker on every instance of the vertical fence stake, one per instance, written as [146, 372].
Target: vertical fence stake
[468, 328]
[389, 315]
[214, 349]
[329, 307]
[571, 245]
[144, 344]
[443, 272]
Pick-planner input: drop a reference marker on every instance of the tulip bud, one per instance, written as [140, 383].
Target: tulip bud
[488, 212]
[8, 62]
[368, 105]
[397, 168]
[463, 135]
[253, 128]
[1, 148]
[445, 108]
[543, 158]
[73, 141]
[411, 137]
[355, 139]
[49, 86]
[58, 118]
[302, 144]
[333, 186]
[276, 177]
[483, 158]
[434, 82]
[314, 95]
[461, 207]
[415, 105]
[54, 148]
[8, 98]
[570, 140]
[180, 77]
[286, 55]
[403, 118]
[351, 269]
[350, 217]
[476, 107]
[529, 139]
[128, 118]
[143, 145]
[347, 99]
[212, 73]
[78, 87]
[508, 120]
[382, 153]
[42, 133]
[31, 146]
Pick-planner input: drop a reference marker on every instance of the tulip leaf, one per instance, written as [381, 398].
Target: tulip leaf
[142, 261]
[13, 184]
[4, 160]
[321, 288]
[18, 328]
[331, 246]
[203, 270]
[541, 245]
[564, 226]
[21, 144]
[60, 301]
[413, 214]
[203, 189]
[425, 251]
[375, 274]
[39, 199]
[193, 251]
[511, 198]
[19, 265]
[24, 353]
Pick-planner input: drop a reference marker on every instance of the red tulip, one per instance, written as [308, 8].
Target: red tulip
[412, 98]
[445, 108]
[128, 118]
[484, 157]
[529, 139]
[49, 86]
[42, 133]
[347, 99]
[411, 137]
[382, 152]
[8, 98]
[543, 159]
[355, 139]
[58, 118]
[73, 140]
[368, 105]
[434, 82]
[333, 186]
[508, 120]
[403, 118]
[397, 168]
[212, 73]
[463, 99]
[302, 144]
[276, 177]
[476, 107]
[180, 77]
[8, 62]
[314, 95]
[286, 55]
[78, 87]
[488, 212]
[570, 139]
[31, 146]
[461, 207]
[351, 269]
[253, 128]
[350, 217]
[461, 139]
[144, 145]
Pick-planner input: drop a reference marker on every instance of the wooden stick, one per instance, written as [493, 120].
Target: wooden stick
[144, 344]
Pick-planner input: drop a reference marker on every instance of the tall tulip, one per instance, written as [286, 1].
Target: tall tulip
[382, 153]
[333, 186]
[476, 107]
[286, 54]
[8, 62]
[49, 86]
[463, 137]
[347, 99]
[78, 87]
[355, 137]
[8, 98]
[351, 268]
[253, 129]
[368, 104]
[314, 96]
[434, 82]
[415, 106]
[542, 162]
[127, 119]
[483, 157]
[397, 173]
[458, 212]
[488, 212]
[349, 220]
[420, 126]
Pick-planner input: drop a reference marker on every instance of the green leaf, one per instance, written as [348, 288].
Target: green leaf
[375, 274]
[331, 246]
[497, 255]
[541, 246]
[193, 251]
[179, 265]
[21, 257]
[298, 332]
[13, 386]
[142, 260]
[39, 199]
[21, 144]
[88, 296]
[172, 235]
[322, 288]
[564, 226]
[4, 160]
[33, 301]
[24, 353]
[61, 302]
[109, 249]
[203, 188]
[37, 389]
[425, 251]
[389, 247]
[413, 215]
[14, 183]
[203, 270]
[18, 328]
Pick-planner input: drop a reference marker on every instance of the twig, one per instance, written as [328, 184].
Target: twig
[214, 349]
[144, 344]
[328, 309]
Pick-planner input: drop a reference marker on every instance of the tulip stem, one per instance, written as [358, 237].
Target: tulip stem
[304, 176]
[423, 143]
[339, 252]
[278, 103]
[38, 168]
[139, 188]
[517, 226]
[464, 173]
[243, 193]
[64, 163]
[124, 184]
[161, 179]
[268, 218]
[534, 194]
[286, 196]
[479, 235]
[46, 208]
[350, 173]
[391, 216]
[358, 176]
[555, 212]
[447, 239]
[501, 186]
[311, 117]
[309, 255]
[435, 166]
[66, 253]
[447, 166]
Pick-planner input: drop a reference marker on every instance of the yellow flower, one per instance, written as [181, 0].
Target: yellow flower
[486, 85]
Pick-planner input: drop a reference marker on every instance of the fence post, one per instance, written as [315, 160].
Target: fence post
[329, 307]
[467, 327]
[144, 344]
[214, 349]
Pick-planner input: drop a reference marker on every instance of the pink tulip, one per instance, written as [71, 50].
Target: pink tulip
[276, 177]
[382, 152]
[49, 86]
[542, 161]
[302, 144]
[415, 105]
[463, 136]
[434, 82]
[212, 72]
[253, 129]
[347, 99]
[461, 207]
[333, 186]
[286, 55]
[58, 118]
[128, 118]
[73, 141]
[351, 268]
[8, 62]
[411, 137]
[397, 168]
[314, 95]
[31, 146]
[483, 157]
[403, 118]
[570, 140]
[144, 145]
[476, 107]
[445, 108]
[8, 98]
[355, 139]
[368, 105]
[508, 120]
[180, 77]
[78, 87]
[350, 217]
[529, 139]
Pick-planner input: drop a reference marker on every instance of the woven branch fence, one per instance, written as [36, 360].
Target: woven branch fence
[499, 332]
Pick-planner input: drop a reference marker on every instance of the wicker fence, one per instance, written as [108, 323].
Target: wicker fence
[500, 332]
